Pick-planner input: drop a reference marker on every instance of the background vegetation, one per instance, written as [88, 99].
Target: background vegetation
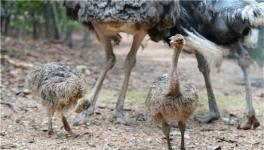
[43, 19]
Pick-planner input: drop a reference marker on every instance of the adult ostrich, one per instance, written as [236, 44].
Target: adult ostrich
[106, 19]
[225, 23]
[138, 18]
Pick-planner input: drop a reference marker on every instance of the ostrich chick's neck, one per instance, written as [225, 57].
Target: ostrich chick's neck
[174, 85]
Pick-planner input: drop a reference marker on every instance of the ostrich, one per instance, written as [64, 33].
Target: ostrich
[224, 23]
[139, 18]
[172, 98]
[107, 19]
[60, 88]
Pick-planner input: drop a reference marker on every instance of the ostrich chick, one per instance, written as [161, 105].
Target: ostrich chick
[169, 99]
[60, 88]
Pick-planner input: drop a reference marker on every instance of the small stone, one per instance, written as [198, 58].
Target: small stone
[88, 72]
[31, 141]
[149, 139]
[214, 148]
[81, 67]
[3, 134]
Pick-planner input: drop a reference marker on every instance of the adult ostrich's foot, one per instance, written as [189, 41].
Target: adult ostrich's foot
[211, 116]
[121, 117]
[248, 123]
[213, 109]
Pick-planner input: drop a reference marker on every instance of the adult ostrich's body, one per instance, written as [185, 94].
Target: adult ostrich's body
[223, 23]
[107, 19]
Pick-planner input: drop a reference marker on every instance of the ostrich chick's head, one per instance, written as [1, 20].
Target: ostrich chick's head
[82, 104]
[177, 41]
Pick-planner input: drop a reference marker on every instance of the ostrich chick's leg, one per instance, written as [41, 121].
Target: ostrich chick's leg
[50, 115]
[166, 131]
[213, 110]
[182, 130]
[129, 64]
[243, 62]
[66, 125]
[109, 63]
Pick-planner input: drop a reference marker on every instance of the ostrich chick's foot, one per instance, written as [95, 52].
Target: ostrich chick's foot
[50, 133]
[121, 117]
[84, 118]
[211, 116]
[248, 123]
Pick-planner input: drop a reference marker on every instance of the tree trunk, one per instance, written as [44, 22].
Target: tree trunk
[47, 17]
[18, 30]
[5, 20]
[58, 32]
[86, 38]
[35, 24]
[68, 38]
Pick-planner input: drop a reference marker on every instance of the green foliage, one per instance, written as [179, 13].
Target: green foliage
[23, 13]
[230, 103]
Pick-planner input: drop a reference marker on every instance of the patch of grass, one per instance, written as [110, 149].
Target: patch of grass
[133, 96]
[230, 103]
[227, 102]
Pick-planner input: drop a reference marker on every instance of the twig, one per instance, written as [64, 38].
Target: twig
[221, 139]
[10, 105]
[16, 63]
[207, 130]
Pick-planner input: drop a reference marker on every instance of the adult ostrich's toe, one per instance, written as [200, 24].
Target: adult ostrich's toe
[255, 123]
[207, 118]
[248, 123]
[121, 117]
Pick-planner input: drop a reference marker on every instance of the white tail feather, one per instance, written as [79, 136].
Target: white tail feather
[212, 52]
[254, 13]
[251, 40]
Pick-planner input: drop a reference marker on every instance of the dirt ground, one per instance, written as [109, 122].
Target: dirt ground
[27, 127]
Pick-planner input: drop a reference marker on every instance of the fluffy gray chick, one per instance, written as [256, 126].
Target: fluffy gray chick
[60, 88]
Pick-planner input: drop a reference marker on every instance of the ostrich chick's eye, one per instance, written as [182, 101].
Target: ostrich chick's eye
[179, 41]
[86, 105]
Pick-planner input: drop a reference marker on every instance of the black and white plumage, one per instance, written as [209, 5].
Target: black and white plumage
[60, 88]
[224, 23]
[172, 97]
[246, 12]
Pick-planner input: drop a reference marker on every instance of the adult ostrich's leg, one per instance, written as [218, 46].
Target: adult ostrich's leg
[129, 64]
[213, 110]
[109, 63]
[251, 119]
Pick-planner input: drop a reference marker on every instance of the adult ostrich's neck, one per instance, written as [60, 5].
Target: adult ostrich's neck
[174, 85]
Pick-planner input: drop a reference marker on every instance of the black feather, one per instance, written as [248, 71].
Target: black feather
[211, 19]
